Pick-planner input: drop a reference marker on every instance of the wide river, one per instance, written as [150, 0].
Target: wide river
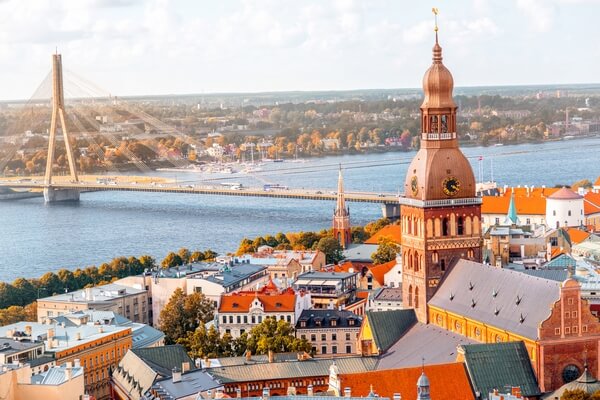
[36, 238]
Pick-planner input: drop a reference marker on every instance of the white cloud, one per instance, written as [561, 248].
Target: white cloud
[540, 13]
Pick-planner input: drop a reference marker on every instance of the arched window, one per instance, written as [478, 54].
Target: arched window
[416, 262]
[410, 300]
[435, 257]
[569, 213]
[470, 253]
[554, 213]
[411, 264]
[460, 226]
[416, 297]
[445, 227]
[434, 124]
[444, 123]
[443, 265]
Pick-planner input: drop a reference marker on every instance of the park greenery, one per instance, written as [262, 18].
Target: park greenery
[184, 318]
[579, 394]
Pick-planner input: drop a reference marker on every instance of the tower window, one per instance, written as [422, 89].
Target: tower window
[417, 297]
[410, 293]
[443, 265]
[445, 227]
[569, 213]
[444, 123]
[460, 226]
[554, 213]
[434, 124]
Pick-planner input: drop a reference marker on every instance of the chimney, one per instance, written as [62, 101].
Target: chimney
[207, 362]
[248, 355]
[77, 335]
[238, 393]
[397, 396]
[89, 296]
[50, 334]
[266, 393]
[28, 330]
[271, 356]
[347, 392]
[291, 390]
[100, 329]
[68, 372]
[309, 390]
[10, 333]
[77, 363]
[176, 375]
[185, 367]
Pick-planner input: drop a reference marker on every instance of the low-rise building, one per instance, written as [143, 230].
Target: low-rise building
[130, 302]
[328, 289]
[185, 386]
[331, 332]
[15, 351]
[98, 347]
[267, 256]
[18, 382]
[385, 299]
[241, 311]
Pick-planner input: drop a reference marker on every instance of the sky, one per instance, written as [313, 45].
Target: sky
[136, 47]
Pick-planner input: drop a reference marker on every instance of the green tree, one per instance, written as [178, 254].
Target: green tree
[372, 227]
[386, 251]
[184, 313]
[171, 260]
[184, 254]
[576, 394]
[358, 234]
[332, 249]
[275, 335]
[246, 246]
[25, 291]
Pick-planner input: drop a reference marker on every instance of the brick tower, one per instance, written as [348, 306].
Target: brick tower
[341, 216]
[440, 213]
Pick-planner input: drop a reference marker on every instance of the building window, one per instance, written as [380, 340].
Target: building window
[303, 337]
[567, 314]
[569, 213]
[239, 319]
[323, 337]
[554, 213]
[557, 331]
[570, 301]
[333, 322]
[443, 265]
[528, 221]
[497, 221]
[245, 319]
[460, 226]
[574, 314]
[333, 349]
[445, 227]
[584, 328]
[253, 319]
[348, 349]
[289, 318]
[553, 241]
[567, 330]
[302, 324]
[574, 328]
[347, 336]
[323, 349]
[334, 336]
[313, 337]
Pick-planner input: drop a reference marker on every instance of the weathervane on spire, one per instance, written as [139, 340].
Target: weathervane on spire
[435, 12]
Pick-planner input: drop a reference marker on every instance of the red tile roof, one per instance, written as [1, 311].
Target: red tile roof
[394, 232]
[565, 194]
[597, 183]
[524, 205]
[447, 381]
[591, 203]
[577, 235]
[271, 303]
[380, 270]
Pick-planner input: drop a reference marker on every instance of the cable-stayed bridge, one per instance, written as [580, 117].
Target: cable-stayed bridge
[78, 117]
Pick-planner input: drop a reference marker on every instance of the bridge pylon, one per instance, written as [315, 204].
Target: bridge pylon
[58, 115]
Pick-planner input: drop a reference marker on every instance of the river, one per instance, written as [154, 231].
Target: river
[36, 238]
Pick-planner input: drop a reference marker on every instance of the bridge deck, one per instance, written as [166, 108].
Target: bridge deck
[305, 194]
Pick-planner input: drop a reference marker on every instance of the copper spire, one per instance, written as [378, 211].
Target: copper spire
[437, 49]
[340, 208]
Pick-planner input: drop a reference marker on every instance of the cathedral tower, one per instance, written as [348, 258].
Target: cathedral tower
[341, 216]
[440, 213]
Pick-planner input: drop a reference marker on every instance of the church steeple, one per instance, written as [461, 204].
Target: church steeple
[341, 216]
[440, 212]
[511, 216]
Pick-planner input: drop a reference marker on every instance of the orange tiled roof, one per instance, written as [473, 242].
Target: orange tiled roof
[525, 205]
[577, 235]
[529, 192]
[380, 270]
[591, 203]
[557, 251]
[391, 231]
[597, 183]
[447, 381]
[271, 303]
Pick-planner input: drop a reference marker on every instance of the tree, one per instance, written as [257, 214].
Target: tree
[576, 394]
[386, 251]
[332, 249]
[275, 335]
[184, 313]
[171, 260]
[184, 254]
[372, 227]
[583, 183]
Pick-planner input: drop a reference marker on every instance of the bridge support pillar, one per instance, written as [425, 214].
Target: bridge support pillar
[390, 211]
[55, 195]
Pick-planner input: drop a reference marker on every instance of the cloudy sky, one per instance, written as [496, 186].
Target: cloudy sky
[200, 46]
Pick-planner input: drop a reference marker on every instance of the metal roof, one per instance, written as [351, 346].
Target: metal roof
[423, 342]
[498, 297]
[56, 375]
[191, 383]
[292, 369]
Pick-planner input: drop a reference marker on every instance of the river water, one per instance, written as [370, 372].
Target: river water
[36, 238]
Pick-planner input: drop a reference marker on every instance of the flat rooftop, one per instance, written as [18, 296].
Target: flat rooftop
[102, 293]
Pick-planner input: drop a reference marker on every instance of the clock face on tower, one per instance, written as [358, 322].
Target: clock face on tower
[414, 185]
[450, 186]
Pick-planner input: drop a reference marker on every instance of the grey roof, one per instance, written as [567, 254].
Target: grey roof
[292, 369]
[498, 365]
[10, 346]
[234, 275]
[254, 359]
[139, 369]
[145, 336]
[310, 317]
[389, 294]
[552, 274]
[55, 375]
[191, 383]
[360, 252]
[108, 292]
[498, 297]
[317, 397]
[189, 270]
[389, 326]
[429, 342]
[326, 276]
